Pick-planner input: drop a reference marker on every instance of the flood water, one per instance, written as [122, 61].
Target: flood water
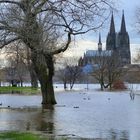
[111, 116]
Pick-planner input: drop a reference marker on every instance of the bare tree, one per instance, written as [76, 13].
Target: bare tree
[11, 73]
[108, 69]
[21, 55]
[16, 71]
[34, 79]
[2, 76]
[73, 73]
[69, 72]
[62, 76]
[114, 71]
[99, 73]
[46, 27]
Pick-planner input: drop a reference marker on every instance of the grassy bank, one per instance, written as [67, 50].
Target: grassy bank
[25, 136]
[9, 89]
[19, 136]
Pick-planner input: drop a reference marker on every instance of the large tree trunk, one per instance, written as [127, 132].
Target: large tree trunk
[102, 82]
[50, 89]
[44, 73]
[34, 80]
[33, 76]
[65, 84]
[21, 83]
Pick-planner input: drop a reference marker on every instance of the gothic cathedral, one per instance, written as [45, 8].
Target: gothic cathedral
[116, 43]
[119, 42]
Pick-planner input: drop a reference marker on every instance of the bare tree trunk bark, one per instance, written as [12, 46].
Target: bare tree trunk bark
[102, 87]
[21, 83]
[72, 84]
[44, 71]
[102, 82]
[65, 85]
[33, 76]
[34, 80]
[50, 89]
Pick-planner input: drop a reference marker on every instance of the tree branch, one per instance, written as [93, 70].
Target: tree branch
[38, 9]
[11, 2]
[64, 48]
[7, 42]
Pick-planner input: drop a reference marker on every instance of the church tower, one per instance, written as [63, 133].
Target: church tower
[123, 44]
[111, 37]
[99, 44]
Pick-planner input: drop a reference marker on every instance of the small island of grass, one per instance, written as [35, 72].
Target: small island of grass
[19, 90]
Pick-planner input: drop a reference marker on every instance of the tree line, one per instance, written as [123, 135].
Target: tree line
[45, 28]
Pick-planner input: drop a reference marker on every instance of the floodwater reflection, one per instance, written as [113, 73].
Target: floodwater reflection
[79, 115]
[29, 120]
[44, 121]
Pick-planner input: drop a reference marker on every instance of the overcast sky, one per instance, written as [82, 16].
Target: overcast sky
[130, 8]
[90, 40]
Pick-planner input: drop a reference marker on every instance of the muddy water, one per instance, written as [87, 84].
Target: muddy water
[112, 116]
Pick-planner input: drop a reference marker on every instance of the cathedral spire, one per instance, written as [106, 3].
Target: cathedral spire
[99, 43]
[123, 26]
[111, 37]
[112, 25]
[99, 39]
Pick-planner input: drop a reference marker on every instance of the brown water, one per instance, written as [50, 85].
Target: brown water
[112, 116]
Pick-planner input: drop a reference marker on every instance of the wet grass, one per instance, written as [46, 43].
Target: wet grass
[19, 136]
[9, 89]
[24, 136]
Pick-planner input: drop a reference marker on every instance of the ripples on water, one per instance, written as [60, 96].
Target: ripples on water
[112, 116]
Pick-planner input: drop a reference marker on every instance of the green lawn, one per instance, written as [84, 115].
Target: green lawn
[24, 136]
[9, 89]
[19, 136]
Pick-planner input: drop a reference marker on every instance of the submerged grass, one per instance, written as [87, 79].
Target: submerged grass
[9, 89]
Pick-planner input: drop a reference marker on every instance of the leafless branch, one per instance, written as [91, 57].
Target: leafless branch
[7, 42]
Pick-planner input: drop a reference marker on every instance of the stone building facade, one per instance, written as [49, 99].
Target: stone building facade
[117, 43]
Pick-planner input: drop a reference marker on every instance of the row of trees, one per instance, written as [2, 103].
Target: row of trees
[106, 70]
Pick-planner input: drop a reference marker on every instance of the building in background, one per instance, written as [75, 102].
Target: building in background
[117, 43]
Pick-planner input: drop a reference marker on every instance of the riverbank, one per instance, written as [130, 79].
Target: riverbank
[19, 90]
